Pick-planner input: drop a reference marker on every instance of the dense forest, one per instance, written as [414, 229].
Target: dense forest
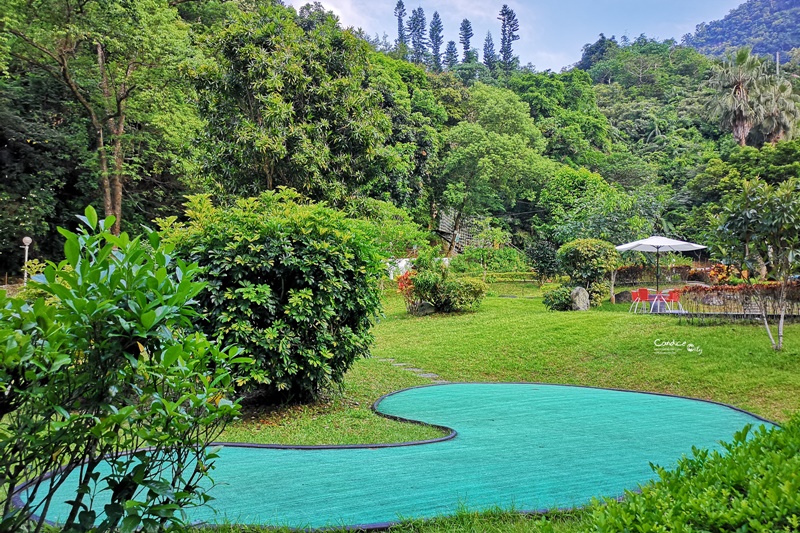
[132, 105]
[766, 26]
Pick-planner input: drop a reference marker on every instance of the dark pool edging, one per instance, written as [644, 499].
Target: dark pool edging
[382, 526]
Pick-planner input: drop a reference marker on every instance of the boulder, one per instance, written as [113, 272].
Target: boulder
[580, 299]
[623, 297]
[424, 309]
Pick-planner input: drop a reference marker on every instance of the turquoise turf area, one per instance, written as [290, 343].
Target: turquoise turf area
[527, 446]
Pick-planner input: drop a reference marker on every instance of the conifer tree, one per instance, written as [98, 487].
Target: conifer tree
[400, 13]
[489, 55]
[436, 40]
[418, 35]
[508, 34]
[450, 55]
[464, 36]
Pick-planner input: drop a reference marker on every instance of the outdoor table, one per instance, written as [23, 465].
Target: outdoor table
[658, 302]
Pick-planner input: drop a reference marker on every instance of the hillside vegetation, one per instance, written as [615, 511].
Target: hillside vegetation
[767, 26]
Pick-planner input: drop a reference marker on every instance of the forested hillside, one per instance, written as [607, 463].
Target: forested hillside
[232, 99]
[766, 26]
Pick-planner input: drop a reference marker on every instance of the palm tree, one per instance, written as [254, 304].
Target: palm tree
[737, 104]
[781, 108]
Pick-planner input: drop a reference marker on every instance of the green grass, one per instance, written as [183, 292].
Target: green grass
[491, 521]
[516, 339]
[344, 418]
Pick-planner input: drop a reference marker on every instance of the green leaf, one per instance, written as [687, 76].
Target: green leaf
[72, 250]
[130, 523]
[147, 319]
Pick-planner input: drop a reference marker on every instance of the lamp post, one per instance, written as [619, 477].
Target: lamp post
[26, 242]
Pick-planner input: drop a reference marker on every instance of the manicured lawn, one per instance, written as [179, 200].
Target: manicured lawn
[516, 339]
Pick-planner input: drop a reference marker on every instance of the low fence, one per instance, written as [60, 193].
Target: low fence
[637, 275]
[740, 302]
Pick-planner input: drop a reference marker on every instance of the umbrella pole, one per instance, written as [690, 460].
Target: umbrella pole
[658, 255]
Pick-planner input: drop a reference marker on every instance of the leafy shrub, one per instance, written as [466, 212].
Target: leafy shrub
[446, 292]
[294, 284]
[476, 260]
[107, 372]
[598, 291]
[542, 258]
[753, 486]
[588, 260]
[672, 259]
[405, 286]
[558, 299]
[720, 274]
[699, 274]
[390, 227]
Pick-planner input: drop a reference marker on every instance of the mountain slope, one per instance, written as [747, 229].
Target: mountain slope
[767, 26]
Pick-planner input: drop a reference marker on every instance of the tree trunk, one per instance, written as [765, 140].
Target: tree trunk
[112, 182]
[268, 174]
[762, 307]
[741, 129]
[456, 227]
[782, 307]
[611, 284]
[118, 177]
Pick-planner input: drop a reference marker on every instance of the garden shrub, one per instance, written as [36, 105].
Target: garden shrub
[294, 284]
[475, 260]
[558, 299]
[598, 291]
[542, 258]
[405, 286]
[754, 485]
[586, 261]
[446, 292]
[720, 274]
[388, 226]
[107, 370]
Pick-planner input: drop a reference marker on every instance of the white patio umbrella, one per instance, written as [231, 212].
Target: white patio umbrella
[659, 245]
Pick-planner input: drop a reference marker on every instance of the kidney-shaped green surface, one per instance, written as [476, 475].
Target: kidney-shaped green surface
[527, 446]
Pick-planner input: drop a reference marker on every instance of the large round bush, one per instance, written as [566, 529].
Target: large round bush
[293, 283]
[587, 261]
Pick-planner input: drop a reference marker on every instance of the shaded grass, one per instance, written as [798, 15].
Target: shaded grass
[344, 418]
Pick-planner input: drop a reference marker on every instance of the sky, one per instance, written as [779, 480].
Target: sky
[552, 32]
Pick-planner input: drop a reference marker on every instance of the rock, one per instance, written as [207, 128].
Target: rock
[623, 297]
[424, 309]
[580, 299]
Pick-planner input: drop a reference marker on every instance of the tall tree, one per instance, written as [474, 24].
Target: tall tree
[450, 55]
[737, 83]
[489, 55]
[464, 36]
[91, 50]
[509, 27]
[288, 107]
[763, 221]
[417, 33]
[436, 40]
[400, 13]
[781, 110]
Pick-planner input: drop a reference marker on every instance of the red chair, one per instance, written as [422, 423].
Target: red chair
[673, 297]
[639, 296]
